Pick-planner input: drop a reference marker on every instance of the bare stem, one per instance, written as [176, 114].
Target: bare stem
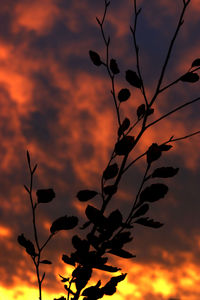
[133, 30]
[177, 80]
[107, 43]
[34, 225]
[180, 23]
[173, 111]
[185, 137]
[137, 196]
[172, 139]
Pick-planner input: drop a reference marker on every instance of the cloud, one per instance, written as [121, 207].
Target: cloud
[37, 16]
[58, 105]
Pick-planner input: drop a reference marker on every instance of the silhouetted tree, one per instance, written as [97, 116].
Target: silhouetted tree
[109, 233]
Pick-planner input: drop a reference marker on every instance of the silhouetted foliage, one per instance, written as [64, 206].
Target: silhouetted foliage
[124, 95]
[109, 234]
[196, 63]
[64, 223]
[133, 79]
[165, 172]
[28, 245]
[190, 77]
[95, 58]
[45, 196]
[111, 171]
[125, 145]
[141, 110]
[153, 193]
[124, 126]
[86, 195]
[114, 67]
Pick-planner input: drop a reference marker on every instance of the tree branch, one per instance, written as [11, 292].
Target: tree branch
[180, 23]
[133, 30]
[107, 43]
[177, 80]
[172, 139]
[173, 111]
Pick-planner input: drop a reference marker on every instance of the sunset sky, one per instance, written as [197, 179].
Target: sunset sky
[57, 104]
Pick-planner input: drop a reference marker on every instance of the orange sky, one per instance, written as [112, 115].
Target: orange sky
[57, 104]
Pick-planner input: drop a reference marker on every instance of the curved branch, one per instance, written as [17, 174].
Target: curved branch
[173, 111]
[172, 139]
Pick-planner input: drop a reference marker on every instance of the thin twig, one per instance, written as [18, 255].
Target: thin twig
[47, 241]
[107, 43]
[177, 80]
[173, 111]
[132, 127]
[186, 136]
[137, 196]
[180, 23]
[133, 30]
[168, 141]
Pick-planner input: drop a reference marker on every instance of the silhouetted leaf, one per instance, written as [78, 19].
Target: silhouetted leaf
[196, 63]
[79, 244]
[64, 223]
[153, 193]
[93, 240]
[27, 244]
[85, 195]
[92, 258]
[133, 79]
[64, 279]
[115, 219]
[125, 145]
[165, 147]
[95, 58]
[82, 275]
[165, 172]
[93, 292]
[150, 111]
[121, 253]
[118, 241]
[114, 67]
[61, 298]
[105, 233]
[190, 77]
[95, 216]
[111, 171]
[110, 189]
[45, 195]
[124, 126]
[149, 222]
[85, 225]
[107, 268]
[141, 111]
[153, 153]
[46, 262]
[68, 260]
[110, 287]
[22, 240]
[141, 211]
[124, 95]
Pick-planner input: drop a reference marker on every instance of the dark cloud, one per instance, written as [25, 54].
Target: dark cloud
[56, 104]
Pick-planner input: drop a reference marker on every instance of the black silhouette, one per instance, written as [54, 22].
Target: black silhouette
[109, 233]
